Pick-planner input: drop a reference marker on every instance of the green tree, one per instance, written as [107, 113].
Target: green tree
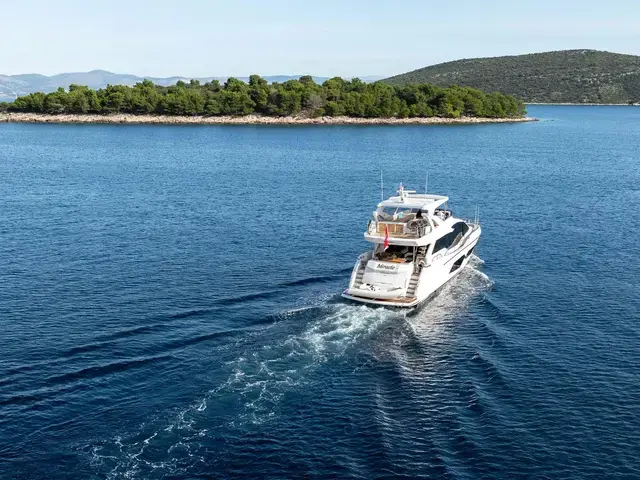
[212, 86]
[212, 104]
[115, 99]
[94, 101]
[259, 92]
[235, 103]
[34, 102]
[287, 99]
[144, 97]
[195, 103]
[77, 101]
[234, 85]
[333, 88]
[55, 102]
[175, 103]
[334, 109]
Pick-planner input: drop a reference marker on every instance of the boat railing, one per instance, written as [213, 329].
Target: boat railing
[470, 221]
[411, 229]
[476, 218]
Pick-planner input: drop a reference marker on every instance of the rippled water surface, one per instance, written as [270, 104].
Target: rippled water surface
[169, 303]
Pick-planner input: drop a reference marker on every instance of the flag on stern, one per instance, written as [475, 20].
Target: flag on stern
[386, 237]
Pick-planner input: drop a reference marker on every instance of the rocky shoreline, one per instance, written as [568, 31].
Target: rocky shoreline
[569, 104]
[244, 120]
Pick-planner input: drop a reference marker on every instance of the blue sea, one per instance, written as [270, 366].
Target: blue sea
[169, 303]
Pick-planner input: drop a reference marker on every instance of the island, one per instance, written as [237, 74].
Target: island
[257, 101]
[561, 77]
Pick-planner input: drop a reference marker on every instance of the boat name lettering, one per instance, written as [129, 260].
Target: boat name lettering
[386, 267]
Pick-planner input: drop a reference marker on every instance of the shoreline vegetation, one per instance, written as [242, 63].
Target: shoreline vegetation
[126, 118]
[293, 101]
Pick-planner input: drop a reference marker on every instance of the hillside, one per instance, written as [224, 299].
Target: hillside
[12, 86]
[569, 76]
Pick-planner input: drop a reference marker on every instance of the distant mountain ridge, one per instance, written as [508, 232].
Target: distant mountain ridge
[12, 86]
[567, 76]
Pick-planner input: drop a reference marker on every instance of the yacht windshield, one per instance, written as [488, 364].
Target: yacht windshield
[397, 214]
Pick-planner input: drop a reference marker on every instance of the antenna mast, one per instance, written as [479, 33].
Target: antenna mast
[381, 187]
[426, 183]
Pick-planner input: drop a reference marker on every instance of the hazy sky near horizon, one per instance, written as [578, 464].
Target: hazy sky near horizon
[269, 37]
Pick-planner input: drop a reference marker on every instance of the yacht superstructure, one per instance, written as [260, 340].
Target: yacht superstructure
[418, 246]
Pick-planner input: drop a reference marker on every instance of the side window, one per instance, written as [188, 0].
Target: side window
[443, 242]
[459, 229]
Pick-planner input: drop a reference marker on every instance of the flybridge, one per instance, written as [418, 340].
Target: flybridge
[411, 199]
[407, 218]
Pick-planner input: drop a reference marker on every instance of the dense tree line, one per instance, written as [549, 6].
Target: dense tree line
[568, 76]
[334, 97]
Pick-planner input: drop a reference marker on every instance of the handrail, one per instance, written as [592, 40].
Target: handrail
[468, 221]
[398, 229]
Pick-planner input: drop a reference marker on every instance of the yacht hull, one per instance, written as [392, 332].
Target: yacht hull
[432, 278]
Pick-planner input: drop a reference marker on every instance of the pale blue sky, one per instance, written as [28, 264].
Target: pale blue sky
[325, 37]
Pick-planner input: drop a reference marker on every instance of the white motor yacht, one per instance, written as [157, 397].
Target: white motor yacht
[418, 246]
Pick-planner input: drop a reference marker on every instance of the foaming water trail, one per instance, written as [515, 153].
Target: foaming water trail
[258, 373]
[256, 381]
[475, 261]
[279, 359]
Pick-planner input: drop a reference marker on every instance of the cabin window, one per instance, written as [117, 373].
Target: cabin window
[444, 242]
[459, 230]
[451, 238]
[387, 213]
[462, 227]
[457, 264]
[403, 213]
